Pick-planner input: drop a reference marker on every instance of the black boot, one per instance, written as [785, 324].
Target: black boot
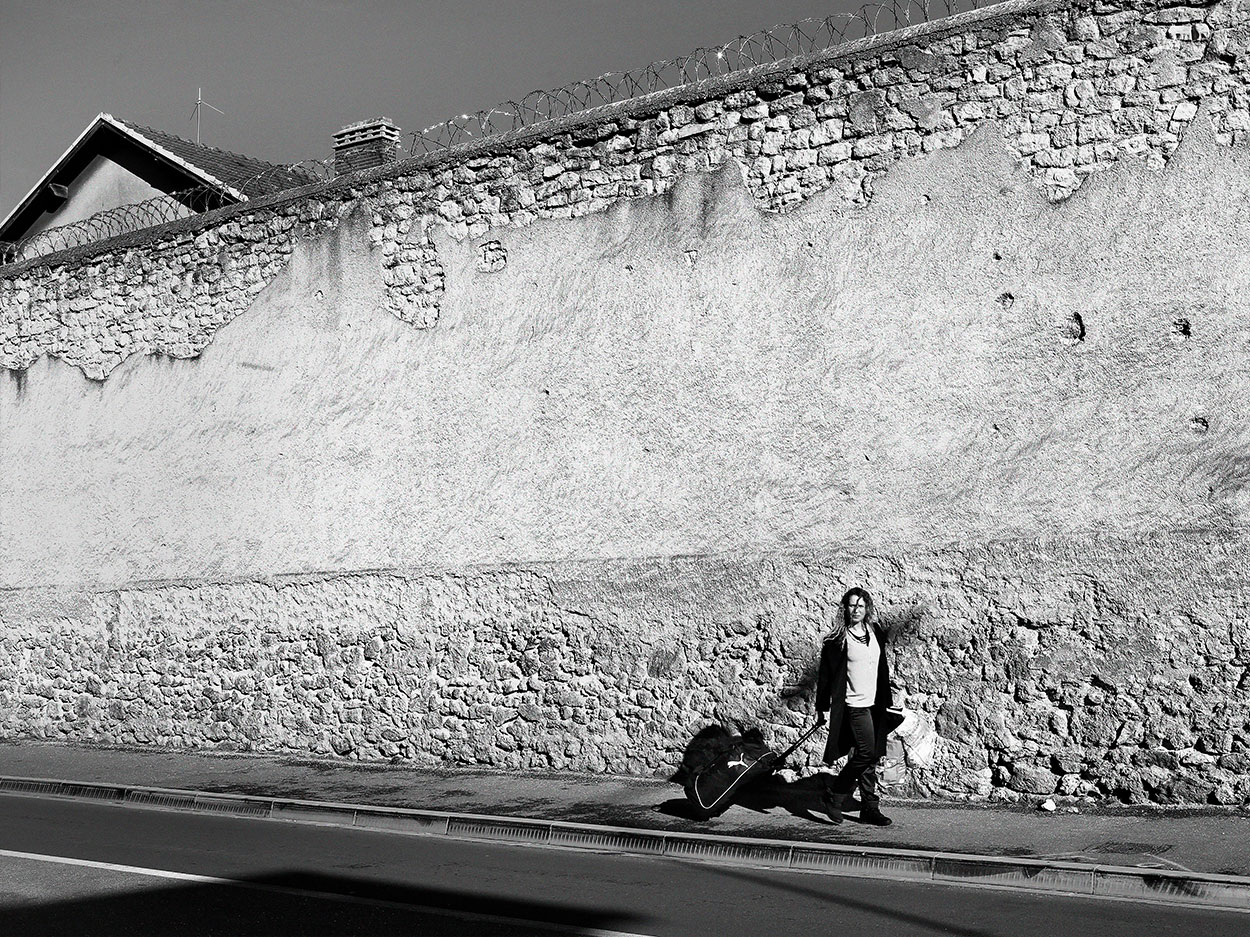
[833, 805]
[871, 813]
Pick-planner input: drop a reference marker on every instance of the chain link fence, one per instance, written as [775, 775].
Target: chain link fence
[762, 48]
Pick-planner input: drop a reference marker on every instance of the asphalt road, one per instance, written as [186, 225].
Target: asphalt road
[93, 869]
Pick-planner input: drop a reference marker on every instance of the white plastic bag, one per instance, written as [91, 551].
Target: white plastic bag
[918, 736]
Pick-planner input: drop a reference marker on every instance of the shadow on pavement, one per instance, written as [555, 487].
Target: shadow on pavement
[866, 906]
[299, 903]
[801, 798]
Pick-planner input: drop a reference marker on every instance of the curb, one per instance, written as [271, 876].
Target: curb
[1194, 889]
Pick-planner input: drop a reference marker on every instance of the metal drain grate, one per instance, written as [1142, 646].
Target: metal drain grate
[91, 791]
[238, 808]
[20, 786]
[161, 799]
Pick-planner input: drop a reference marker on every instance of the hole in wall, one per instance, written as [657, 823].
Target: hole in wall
[998, 255]
[1181, 329]
[1006, 300]
[492, 257]
[1074, 328]
[1200, 424]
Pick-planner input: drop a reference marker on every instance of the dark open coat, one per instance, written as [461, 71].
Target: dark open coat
[831, 696]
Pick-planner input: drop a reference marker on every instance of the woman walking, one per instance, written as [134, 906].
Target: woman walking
[853, 688]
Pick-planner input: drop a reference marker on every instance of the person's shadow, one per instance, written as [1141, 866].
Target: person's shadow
[801, 798]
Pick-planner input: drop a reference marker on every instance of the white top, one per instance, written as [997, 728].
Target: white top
[862, 661]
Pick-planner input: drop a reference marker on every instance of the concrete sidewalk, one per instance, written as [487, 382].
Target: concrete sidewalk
[1215, 840]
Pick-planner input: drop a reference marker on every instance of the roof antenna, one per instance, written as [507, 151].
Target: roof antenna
[199, 103]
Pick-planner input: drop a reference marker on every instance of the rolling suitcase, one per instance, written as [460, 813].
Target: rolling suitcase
[711, 789]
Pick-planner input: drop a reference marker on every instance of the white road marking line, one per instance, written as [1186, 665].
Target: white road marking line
[132, 869]
[322, 895]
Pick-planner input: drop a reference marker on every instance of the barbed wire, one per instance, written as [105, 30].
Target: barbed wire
[164, 208]
[765, 47]
[104, 224]
[279, 178]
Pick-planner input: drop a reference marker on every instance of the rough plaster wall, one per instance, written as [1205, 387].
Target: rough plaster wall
[1084, 667]
[680, 375]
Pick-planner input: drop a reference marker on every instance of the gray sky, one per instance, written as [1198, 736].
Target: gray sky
[288, 74]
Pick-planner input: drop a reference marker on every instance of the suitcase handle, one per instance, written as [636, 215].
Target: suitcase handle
[802, 738]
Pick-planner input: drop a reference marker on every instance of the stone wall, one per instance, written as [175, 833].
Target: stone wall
[957, 313]
[1039, 664]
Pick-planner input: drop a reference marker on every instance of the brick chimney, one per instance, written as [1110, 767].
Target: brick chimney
[364, 145]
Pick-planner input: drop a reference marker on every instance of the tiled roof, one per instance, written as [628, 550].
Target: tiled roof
[252, 177]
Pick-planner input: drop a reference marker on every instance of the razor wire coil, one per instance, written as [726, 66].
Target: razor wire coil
[162, 209]
[766, 47]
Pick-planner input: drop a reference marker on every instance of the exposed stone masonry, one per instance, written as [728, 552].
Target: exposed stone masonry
[171, 296]
[1074, 88]
[1037, 667]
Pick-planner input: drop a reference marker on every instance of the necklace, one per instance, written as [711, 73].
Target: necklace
[857, 637]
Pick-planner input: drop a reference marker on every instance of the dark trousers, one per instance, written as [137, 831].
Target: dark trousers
[861, 766]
